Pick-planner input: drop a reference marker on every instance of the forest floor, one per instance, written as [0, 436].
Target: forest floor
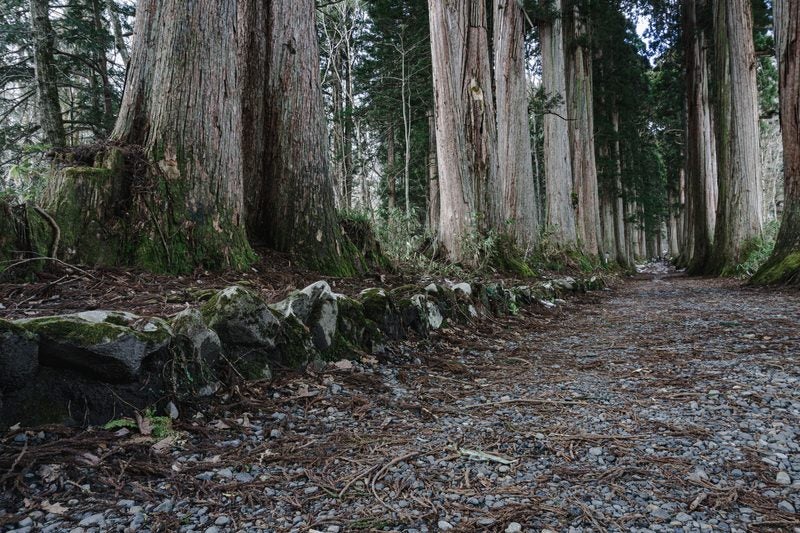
[665, 404]
[62, 288]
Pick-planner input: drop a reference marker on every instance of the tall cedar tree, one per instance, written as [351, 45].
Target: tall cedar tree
[465, 122]
[701, 162]
[784, 264]
[739, 221]
[560, 212]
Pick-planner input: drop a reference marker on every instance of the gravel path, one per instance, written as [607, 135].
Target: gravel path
[667, 404]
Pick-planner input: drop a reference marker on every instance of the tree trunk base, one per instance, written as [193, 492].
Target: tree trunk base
[782, 270]
[120, 210]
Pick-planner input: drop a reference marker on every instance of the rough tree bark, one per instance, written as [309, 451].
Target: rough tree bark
[290, 200]
[178, 204]
[560, 214]
[433, 177]
[784, 264]
[182, 105]
[701, 170]
[50, 119]
[739, 220]
[581, 133]
[465, 122]
[519, 205]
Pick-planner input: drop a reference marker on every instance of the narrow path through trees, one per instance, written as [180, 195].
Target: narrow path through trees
[666, 402]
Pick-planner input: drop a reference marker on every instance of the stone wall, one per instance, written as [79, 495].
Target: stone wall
[93, 366]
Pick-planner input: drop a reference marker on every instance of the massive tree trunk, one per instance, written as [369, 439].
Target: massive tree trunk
[557, 165]
[701, 170]
[739, 220]
[221, 97]
[519, 204]
[581, 134]
[178, 203]
[290, 200]
[784, 264]
[182, 106]
[50, 119]
[465, 122]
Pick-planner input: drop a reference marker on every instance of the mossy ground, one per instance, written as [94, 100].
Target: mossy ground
[782, 270]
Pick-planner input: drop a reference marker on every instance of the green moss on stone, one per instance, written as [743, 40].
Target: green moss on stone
[76, 331]
[82, 332]
[354, 328]
[10, 328]
[294, 342]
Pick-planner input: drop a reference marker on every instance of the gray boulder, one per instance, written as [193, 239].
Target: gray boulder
[19, 356]
[241, 319]
[380, 308]
[247, 328]
[567, 284]
[108, 345]
[315, 306]
[428, 309]
[195, 339]
[198, 346]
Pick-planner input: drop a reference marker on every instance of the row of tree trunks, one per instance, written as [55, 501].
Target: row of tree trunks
[483, 146]
[623, 252]
[784, 264]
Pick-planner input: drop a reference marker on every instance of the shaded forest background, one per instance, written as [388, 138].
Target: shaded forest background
[377, 85]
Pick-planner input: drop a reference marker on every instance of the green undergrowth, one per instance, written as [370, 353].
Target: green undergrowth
[159, 427]
[756, 252]
[410, 246]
